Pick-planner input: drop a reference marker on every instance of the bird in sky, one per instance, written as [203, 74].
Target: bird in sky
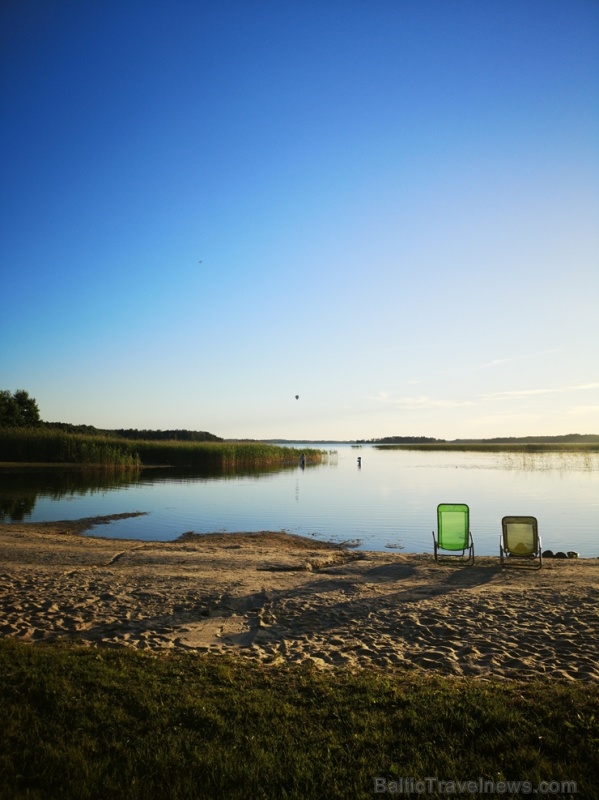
[297, 396]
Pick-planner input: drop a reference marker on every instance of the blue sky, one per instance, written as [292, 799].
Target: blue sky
[395, 203]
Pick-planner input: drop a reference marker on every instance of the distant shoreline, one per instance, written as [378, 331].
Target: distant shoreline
[558, 443]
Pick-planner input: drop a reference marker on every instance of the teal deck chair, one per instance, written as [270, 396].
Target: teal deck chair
[520, 544]
[453, 532]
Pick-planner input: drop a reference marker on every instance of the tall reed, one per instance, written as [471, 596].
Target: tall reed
[39, 445]
[221, 455]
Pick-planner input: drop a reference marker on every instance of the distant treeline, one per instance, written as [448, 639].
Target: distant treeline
[401, 440]
[170, 436]
[135, 434]
[569, 438]
[19, 410]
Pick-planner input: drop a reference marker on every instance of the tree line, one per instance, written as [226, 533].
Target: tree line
[19, 410]
[568, 438]
[402, 440]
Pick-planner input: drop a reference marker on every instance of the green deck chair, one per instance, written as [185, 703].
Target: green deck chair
[453, 532]
[520, 543]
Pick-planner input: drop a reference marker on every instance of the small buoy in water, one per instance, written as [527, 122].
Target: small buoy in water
[359, 461]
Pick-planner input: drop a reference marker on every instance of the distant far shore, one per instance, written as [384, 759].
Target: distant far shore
[570, 441]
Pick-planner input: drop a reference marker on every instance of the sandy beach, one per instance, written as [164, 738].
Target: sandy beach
[276, 597]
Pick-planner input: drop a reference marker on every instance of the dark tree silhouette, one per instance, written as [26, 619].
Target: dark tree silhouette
[18, 410]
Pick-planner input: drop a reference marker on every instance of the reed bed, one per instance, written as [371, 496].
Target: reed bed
[40, 445]
[221, 455]
[46, 446]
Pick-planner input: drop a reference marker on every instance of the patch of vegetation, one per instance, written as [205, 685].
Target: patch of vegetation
[515, 446]
[133, 433]
[18, 410]
[24, 438]
[407, 440]
[42, 445]
[94, 723]
[222, 455]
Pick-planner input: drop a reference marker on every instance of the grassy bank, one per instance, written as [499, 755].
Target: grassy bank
[39, 445]
[84, 723]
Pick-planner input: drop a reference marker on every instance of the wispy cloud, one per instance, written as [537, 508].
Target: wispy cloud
[420, 401]
[498, 362]
[515, 394]
[424, 401]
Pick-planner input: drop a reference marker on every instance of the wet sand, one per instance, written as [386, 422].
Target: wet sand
[274, 597]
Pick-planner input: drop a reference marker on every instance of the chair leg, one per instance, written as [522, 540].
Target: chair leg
[471, 550]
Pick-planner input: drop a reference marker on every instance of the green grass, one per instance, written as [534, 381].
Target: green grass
[83, 723]
[39, 445]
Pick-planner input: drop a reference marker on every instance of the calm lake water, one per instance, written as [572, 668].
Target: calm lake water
[388, 502]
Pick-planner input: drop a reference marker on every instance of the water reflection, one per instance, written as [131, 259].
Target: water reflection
[529, 459]
[388, 502]
[22, 487]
